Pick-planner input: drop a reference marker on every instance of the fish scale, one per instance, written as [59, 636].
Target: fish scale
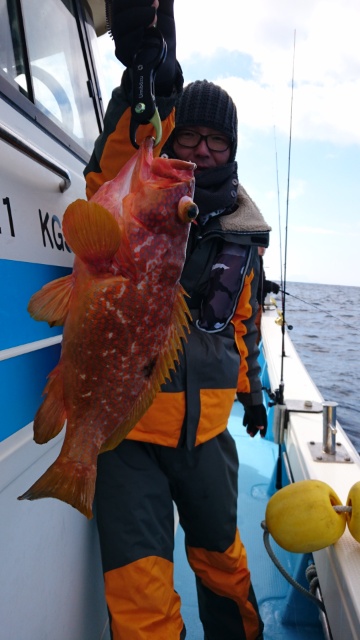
[124, 317]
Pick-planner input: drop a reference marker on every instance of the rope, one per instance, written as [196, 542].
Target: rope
[286, 575]
[312, 578]
[340, 508]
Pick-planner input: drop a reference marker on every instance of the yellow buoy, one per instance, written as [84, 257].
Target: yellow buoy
[353, 518]
[300, 517]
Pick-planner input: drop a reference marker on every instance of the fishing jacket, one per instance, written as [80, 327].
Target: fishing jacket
[221, 271]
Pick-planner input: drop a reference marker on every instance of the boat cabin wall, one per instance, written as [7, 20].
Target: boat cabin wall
[50, 116]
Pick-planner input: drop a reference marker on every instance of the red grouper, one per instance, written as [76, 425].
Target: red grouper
[124, 314]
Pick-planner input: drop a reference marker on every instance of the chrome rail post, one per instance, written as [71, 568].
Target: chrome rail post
[329, 427]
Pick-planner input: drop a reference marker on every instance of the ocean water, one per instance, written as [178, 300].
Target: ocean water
[326, 334]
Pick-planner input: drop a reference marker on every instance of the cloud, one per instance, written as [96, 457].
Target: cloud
[320, 113]
[111, 68]
[297, 188]
[248, 48]
[326, 34]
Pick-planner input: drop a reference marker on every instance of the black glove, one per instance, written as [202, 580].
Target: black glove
[128, 20]
[270, 286]
[254, 417]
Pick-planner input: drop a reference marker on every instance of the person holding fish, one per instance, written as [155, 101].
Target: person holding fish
[180, 450]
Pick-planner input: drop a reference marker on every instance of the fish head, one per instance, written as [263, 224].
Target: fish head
[161, 192]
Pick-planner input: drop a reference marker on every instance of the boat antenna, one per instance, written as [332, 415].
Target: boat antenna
[281, 384]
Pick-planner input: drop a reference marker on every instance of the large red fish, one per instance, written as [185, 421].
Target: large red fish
[124, 315]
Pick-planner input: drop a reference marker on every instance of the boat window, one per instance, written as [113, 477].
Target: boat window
[93, 40]
[52, 71]
[12, 57]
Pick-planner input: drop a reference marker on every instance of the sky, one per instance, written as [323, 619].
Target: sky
[307, 190]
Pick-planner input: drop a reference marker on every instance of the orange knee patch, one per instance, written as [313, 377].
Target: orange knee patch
[227, 574]
[142, 601]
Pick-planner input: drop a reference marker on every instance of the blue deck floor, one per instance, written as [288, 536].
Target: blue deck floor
[287, 615]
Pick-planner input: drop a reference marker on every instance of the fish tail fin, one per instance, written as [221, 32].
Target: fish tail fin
[51, 415]
[91, 231]
[51, 303]
[68, 481]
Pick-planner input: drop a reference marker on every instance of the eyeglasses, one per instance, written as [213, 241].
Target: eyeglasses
[191, 139]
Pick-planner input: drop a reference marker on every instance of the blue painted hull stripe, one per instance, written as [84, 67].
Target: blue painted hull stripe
[22, 383]
[18, 282]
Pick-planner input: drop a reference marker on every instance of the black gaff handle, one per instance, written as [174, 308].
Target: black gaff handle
[146, 63]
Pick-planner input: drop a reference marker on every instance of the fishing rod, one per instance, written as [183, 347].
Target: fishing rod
[277, 397]
[316, 306]
[283, 324]
[278, 202]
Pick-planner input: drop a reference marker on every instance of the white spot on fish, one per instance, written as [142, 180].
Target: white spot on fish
[139, 248]
[110, 335]
[86, 395]
[119, 315]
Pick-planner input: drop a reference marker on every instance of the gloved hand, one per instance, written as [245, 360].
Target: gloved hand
[255, 417]
[270, 286]
[128, 20]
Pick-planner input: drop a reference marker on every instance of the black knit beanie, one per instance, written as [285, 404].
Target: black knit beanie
[205, 104]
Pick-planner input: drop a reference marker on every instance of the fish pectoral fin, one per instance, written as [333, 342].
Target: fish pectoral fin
[141, 405]
[51, 303]
[51, 415]
[91, 231]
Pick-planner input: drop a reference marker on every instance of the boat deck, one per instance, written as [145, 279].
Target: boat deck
[287, 614]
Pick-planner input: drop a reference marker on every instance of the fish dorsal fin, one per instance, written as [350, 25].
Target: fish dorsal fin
[51, 303]
[91, 231]
[165, 362]
[169, 353]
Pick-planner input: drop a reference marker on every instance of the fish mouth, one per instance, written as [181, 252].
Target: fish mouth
[182, 165]
[172, 168]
